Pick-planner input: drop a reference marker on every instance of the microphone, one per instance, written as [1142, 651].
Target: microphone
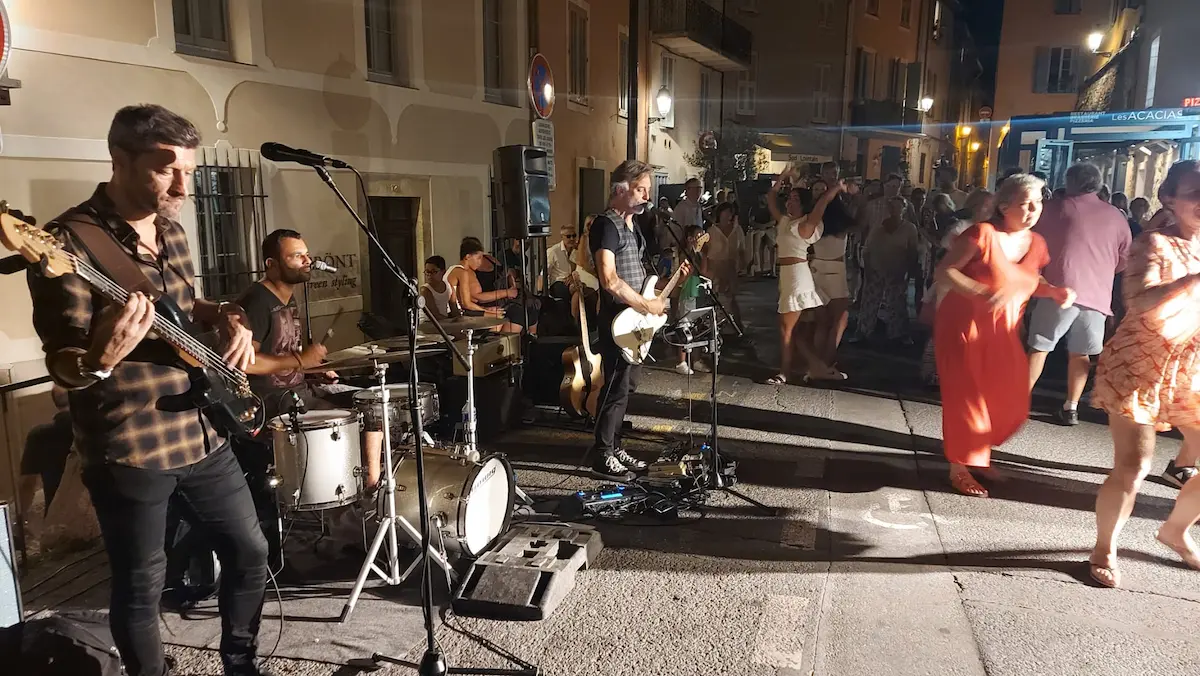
[323, 266]
[297, 404]
[277, 152]
[13, 264]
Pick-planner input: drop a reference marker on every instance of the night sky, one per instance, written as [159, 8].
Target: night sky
[984, 18]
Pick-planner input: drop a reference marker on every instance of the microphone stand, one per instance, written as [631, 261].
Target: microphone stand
[720, 480]
[433, 663]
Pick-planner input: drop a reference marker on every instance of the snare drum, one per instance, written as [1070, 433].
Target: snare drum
[399, 416]
[317, 463]
[473, 500]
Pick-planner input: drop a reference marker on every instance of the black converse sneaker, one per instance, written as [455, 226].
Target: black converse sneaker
[608, 467]
[1178, 476]
[629, 461]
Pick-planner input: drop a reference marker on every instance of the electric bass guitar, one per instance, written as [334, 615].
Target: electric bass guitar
[633, 331]
[220, 390]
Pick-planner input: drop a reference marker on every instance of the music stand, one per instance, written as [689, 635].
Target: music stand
[433, 663]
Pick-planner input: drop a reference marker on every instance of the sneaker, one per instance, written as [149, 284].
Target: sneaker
[683, 369]
[1066, 417]
[701, 367]
[1178, 476]
[608, 467]
[630, 462]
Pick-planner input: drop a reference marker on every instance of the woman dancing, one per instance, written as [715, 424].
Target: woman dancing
[987, 278]
[797, 291]
[1147, 377]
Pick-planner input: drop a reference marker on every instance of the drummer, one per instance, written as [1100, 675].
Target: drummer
[279, 359]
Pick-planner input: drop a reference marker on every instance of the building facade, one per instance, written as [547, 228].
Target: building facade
[363, 80]
[1044, 57]
[697, 48]
[794, 93]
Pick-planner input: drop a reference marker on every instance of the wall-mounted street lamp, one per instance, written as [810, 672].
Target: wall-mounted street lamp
[1094, 40]
[965, 130]
[974, 146]
[925, 104]
[663, 101]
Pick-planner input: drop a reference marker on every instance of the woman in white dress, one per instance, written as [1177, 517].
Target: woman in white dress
[797, 292]
[828, 265]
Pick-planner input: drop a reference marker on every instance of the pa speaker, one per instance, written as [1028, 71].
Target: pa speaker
[521, 188]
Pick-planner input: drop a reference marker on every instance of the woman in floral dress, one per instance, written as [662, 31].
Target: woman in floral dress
[1148, 379]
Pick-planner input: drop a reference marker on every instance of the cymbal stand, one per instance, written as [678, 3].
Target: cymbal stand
[386, 532]
[471, 424]
[433, 662]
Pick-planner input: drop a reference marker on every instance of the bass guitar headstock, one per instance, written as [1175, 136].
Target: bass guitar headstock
[33, 243]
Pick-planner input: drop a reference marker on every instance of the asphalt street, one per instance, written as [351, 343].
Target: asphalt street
[870, 563]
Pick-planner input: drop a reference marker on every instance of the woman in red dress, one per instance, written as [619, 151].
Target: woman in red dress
[984, 283]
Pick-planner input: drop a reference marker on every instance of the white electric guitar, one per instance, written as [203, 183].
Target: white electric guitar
[633, 331]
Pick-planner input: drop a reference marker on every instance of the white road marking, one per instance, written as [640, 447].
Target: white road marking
[779, 641]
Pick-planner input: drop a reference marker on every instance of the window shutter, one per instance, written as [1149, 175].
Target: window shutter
[1041, 70]
[912, 92]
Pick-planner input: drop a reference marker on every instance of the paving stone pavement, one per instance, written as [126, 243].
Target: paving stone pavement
[870, 565]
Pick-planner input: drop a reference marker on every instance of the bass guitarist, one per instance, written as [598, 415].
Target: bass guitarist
[618, 249]
[141, 437]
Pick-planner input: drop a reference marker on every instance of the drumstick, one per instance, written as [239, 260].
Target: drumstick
[329, 331]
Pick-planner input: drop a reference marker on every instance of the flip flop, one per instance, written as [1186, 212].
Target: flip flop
[966, 484]
[777, 379]
[1105, 575]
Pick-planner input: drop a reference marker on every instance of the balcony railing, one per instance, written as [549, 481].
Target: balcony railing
[697, 30]
[891, 115]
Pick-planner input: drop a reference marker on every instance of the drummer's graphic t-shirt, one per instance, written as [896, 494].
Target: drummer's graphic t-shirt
[276, 328]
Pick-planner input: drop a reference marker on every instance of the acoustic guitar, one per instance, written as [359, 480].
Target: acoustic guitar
[220, 390]
[583, 370]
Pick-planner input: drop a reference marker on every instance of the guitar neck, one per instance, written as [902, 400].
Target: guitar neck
[672, 283]
[175, 335]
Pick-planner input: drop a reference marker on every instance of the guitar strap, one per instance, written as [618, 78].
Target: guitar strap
[107, 254]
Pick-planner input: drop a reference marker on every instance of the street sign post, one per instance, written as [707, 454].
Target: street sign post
[541, 86]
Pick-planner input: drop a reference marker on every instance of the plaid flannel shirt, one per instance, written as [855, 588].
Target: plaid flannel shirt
[142, 415]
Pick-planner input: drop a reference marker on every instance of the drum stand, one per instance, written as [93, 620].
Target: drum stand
[390, 520]
[470, 450]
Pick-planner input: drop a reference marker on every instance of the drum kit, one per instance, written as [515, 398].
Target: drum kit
[318, 462]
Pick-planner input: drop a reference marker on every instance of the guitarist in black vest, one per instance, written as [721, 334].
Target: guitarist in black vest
[618, 248]
[142, 439]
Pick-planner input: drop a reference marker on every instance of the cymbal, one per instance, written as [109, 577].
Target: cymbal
[395, 343]
[462, 324]
[362, 357]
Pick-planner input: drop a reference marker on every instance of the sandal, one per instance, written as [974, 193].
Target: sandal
[777, 379]
[965, 483]
[1105, 574]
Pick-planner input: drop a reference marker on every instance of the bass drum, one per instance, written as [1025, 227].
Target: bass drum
[473, 500]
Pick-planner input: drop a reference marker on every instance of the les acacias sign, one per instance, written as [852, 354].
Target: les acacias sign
[5, 37]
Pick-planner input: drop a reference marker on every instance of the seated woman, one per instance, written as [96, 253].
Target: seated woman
[465, 285]
[496, 278]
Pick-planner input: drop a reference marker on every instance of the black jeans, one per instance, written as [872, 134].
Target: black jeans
[131, 506]
[620, 380]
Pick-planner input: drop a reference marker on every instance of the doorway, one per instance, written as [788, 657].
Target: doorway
[396, 223]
